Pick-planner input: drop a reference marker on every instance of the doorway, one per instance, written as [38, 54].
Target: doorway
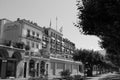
[12, 64]
[11, 68]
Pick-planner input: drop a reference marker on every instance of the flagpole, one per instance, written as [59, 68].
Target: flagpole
[50, 24]
[56, 23]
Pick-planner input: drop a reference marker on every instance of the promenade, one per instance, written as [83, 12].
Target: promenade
[102, 76]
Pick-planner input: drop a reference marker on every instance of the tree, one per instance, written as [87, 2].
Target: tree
[102, 19]
[89, 58]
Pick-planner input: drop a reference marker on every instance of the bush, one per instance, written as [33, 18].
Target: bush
[78, 77]
[65, 73]
[69, 78]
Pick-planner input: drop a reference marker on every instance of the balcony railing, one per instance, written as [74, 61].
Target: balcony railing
[33, 37]
[36, 54]
[61, 56]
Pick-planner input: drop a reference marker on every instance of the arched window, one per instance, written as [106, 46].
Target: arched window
[42, 67]
[32, 68]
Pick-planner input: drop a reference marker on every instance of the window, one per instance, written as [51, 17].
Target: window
[28, 32]
[11, 68]
[75, 67]
[37, 45]
[53, 67]
[33, 44]
[51, 33]
[54, 34]
[28, 42]
[37, 69]
[60, 66]
[33, 33]
[80, 68]
[68, 67]
[38, 35]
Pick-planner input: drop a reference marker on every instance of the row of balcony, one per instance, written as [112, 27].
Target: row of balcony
[46, 55]
[61, 49]
[45, 40]
[61, 44]
[36, 54]
[19, 45]
[65, 57]
[33, 37]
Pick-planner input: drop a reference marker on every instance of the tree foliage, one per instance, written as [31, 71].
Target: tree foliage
[89, 58]
[102, 18]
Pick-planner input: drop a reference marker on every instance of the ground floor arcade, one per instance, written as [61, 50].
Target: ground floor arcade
[51, 67]
[9, 59]
[14, 63]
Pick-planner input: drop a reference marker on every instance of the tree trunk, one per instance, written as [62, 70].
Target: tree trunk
[90, 71]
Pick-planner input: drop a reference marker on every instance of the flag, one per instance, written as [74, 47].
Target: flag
[61, 29]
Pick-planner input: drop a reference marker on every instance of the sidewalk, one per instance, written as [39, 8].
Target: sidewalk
[100, 76]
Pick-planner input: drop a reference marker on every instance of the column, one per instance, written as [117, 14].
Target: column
[37, 69]
[46, 67]
[49, 68]
[65, 66]
[3, 69]
[77, 69]
[71, 68]
[55, 68]
[27, 70]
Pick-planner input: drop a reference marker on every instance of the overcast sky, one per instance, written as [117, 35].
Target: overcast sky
[42, 11]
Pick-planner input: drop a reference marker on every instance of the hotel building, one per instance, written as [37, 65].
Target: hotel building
[44, 51]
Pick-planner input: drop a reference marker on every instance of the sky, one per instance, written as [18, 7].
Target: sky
[45, 11]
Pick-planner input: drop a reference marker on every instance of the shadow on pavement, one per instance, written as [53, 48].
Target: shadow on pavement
[111, 77]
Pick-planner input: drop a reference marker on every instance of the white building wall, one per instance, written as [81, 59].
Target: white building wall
[72, 66]
[2, 23]
[26, 27]
[12, 31]
[32, 29]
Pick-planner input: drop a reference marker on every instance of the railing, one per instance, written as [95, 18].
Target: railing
[36, 54]
[33, 37]
[60, 56]
[9, 43]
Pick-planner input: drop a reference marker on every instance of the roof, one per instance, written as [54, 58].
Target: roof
[33, 24]
[55, 31]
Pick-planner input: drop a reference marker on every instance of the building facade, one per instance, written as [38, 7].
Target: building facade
[42, 51]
